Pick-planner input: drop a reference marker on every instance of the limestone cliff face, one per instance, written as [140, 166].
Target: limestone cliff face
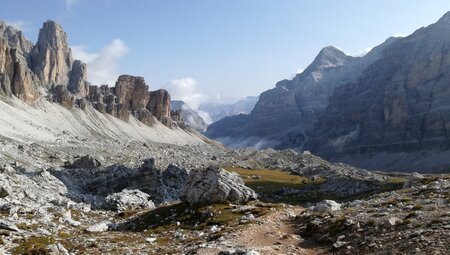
[283, 116]
[132, 92]
[47, 68]
[78, 79]
[51, 57]
[159, 105]
[15, 76]
[131, 95]
[400, 104]
[15, 38]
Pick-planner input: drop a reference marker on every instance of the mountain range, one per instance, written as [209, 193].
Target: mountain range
[388, 109]
[217, 111]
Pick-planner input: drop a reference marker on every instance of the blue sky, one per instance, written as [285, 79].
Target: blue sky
[216, 49]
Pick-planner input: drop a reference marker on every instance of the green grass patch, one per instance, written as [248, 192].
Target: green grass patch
[196, 217]
[269, 181]
[34, 245]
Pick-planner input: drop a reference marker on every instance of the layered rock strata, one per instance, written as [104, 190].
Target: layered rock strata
[29, 72]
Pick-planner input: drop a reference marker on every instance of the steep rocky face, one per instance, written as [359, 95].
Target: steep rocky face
[15, 76]
[131, 96]
[159, 105]
[6, 68]
[132, 92]
[23, 84]
[51, 58]
[78, 84]
[26, 70]
[104, 100]
[400, 104]
[283, 115]
[15, 38]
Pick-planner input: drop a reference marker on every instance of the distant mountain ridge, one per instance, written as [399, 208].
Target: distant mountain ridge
[389, 109]
[283, 115]
[217, 111]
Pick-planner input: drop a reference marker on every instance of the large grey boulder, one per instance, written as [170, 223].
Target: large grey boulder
[327, 206]
[214, 184]
[129, 200]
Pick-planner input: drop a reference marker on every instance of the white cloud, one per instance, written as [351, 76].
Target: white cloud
[103, 67]
[186, 89]
[205, 116]
[18, 24]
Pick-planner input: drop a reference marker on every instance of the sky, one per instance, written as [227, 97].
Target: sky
[216, 50]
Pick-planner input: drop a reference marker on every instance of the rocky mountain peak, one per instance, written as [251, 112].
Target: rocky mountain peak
[51, 58]
[330, 56]
[15, 38]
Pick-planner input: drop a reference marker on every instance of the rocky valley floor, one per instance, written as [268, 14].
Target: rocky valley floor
[109, 195]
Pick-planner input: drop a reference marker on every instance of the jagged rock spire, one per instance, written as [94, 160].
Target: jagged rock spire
[51, 58]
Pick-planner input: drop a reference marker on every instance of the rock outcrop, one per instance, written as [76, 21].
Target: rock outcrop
[161, 186]
[127, 200]
[214, 184]
[85, 162]
[15, 76]
[159, 105]
[78, 84]
[51, 57]
[132, 92]
[26, 71]
[131, 95]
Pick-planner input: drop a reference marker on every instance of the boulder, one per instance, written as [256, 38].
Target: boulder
[99, 227]
[215, 185]
[129, 200]
[327, 206]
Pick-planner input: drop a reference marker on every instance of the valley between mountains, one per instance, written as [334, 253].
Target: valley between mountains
[94, 169]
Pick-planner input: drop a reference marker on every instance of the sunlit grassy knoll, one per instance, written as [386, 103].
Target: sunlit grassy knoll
[268, 181]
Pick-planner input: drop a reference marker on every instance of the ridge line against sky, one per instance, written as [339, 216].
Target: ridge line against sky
[220, 50]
